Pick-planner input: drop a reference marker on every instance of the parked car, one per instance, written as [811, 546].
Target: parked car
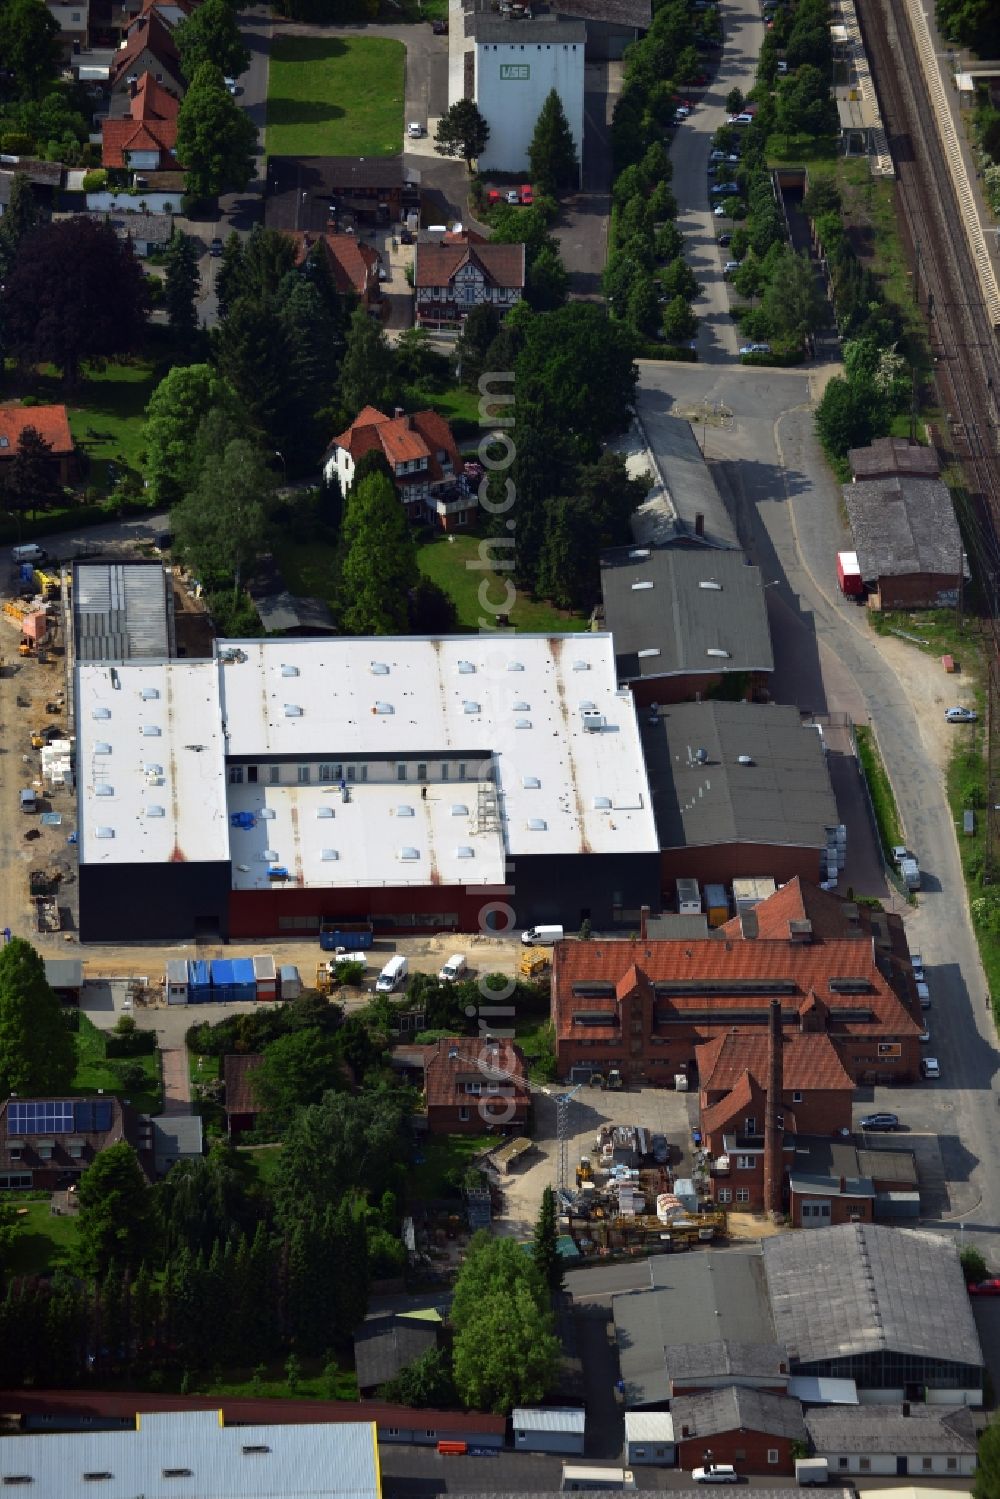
[756, 349]
[513, 196]
[930, 1066]
[717, 155]
[453, 970]
[232, 86]
[986, 1287]
[960, 715]
[406, 237]
[917, 963]
[725, 239]
[215, 248]
[527, 195]
[731, 266]
[924, 1038]
[659, 1149]
[414, 130]
[716, 1473]
[720, 211]
[439, 28]
[782, 69]
[886, 1122]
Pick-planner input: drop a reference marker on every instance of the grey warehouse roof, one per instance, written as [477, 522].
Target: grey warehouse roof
[638, 13]
[693, 1299]
[190, 1455]
[920, 1429]
[864, 1287]
[737, 1408]
[672, 609]
[783, 797]
[384, 1345]
[121, 611]
[893, 455]
[903, 526]
[700, 1360]
[64, 973]
[684, 487]
[549, 1418]
[493, 28]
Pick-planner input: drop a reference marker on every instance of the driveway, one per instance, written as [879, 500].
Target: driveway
[743, 32]
[582, 228]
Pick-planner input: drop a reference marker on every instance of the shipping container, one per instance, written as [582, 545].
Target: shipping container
[244, 982]
[266, 976]
[716, 904]
[688, 898]
[199, 982]
[849, 574]
[177, 982]
[355, 935]
[289, 982]
[223, 984]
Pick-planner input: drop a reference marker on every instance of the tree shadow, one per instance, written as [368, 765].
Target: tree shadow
[302, 112]
[307, 48]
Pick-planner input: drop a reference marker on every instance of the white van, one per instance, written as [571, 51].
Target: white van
[30, 552]
[392, 975]
[542, 936]
[453, 969]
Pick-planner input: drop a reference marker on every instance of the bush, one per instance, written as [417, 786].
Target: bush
[95, 181]
[135, 1044]
[131, 1075]
[17, 144]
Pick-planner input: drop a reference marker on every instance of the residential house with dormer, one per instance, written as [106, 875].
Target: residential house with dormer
[454, 274]
[422, 455]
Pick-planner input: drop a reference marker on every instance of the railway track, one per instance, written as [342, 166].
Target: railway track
[962, 339]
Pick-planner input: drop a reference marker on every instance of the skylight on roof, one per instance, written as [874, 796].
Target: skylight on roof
[470, 707]
[466, 667]
[715, 650]
[104, 789]
[105, 833]
[522, 707]
[287, 670]
[380, 669]
[151, 731]
[537, 824]
[329, 855]
[409, 855]
[522, 723]
[100, 713]
[649, 650]
[324, 811]
[710, 583]
[601, 804]
[155, 811]
[515, 665]
[531, 783]
[464, 852]
[641, 587]
[403, 810]
[459, 809]
[582, 665]
[102, 749]
[268, 814]
[270, 856]
[383, 708]
[149, 693]
[292, 710]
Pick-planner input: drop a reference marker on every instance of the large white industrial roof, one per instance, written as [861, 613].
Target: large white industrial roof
[540, 716]
[150, 769]
[324, 841]
[191, 1455]
[565, 788]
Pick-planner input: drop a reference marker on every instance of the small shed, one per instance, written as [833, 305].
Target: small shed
[289, 982]
[551, 1428]
[65, 977]
[649, 1439]
[176, 1137]
[177, 982]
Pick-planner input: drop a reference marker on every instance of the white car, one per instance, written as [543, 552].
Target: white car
[755, 349]
[513, 196]
[415, 129]
[731, 266]
[721, 211]
[924, 1038]
[232, 86]
[716, 1473]
[930, 1067]
[960, 715]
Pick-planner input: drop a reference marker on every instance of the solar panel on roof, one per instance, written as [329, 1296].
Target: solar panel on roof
[39, 1117]
[92, 1115]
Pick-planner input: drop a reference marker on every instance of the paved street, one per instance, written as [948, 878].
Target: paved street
[787, 511]
[743, 33]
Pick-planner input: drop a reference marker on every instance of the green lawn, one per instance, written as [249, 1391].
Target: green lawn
[94, 1071]
[106, 412]
[263, 1162]
[890, 828]
[42, 1240]
[335, 96]
[446, 1158]
[317, 1382]
[446, 560]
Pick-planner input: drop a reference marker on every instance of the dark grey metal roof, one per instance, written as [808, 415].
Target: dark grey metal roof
[922, 1431]
[783, 797]
[671, 927]
[494, 28]
[817, 1155]
[121, 611]
[64, 973]
[384, 1345]
[754, 1360]
[684, 493]
[903, 526]
[864, 1287]
[668, 608]
[631, 13]
[176, 1135]
[280, 612]
[737, 1408]
[694, 1298]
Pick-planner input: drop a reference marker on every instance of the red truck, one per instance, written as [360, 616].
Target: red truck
[849, 575]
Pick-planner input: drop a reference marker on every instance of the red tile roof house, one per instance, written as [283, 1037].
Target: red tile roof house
[241, 1105]
[354, 266]
[645, 1007]
[751, 1430]
[450, 278]
[150, 48]
[471, 1085]
[816, 1096]
[423, 457]
[51, 423]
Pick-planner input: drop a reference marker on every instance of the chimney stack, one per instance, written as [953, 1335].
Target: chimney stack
[773, 1131]
[749, 927]
[699, 524]
[643, 923]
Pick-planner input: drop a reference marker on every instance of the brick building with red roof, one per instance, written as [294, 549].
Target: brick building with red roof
[454, 274]
[646, 1007]
[149, 48]
[423, 456]
[144, 140]
[241, 1103]
[50, 422]
[353, 265]
[471, 1085]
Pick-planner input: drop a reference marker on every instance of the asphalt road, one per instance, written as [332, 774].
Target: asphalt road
[743, 32]
[582, 228]
[787, 512]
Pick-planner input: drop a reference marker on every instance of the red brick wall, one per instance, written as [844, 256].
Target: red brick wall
[842, 1209]
[679, 689]
[745, 1450]
[917, 590]
[443, 1120]
[860, 1056]
[255, 913]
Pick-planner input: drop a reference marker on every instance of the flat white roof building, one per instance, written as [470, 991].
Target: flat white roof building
[192, 1455]
[293, 769]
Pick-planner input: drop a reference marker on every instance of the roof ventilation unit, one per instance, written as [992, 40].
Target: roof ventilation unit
[744, 759]
[537, 825]
[380, 669]
[292, 710]
[289, 671]
[593, 720]
[383, 708]
[269, 856]
[268, 814]
[701, 755]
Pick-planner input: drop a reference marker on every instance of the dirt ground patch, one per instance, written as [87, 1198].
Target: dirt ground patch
[931, 689]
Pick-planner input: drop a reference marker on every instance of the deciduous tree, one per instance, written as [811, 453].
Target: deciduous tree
[177, 407]
[296, 1069]
[29, 45]
[555, 166]
[215, 137]
[211, 34]
[679, 322]
[576, 371]
[20, 217]
[76, 295]
[506, 1354]
[115, 1211]
[222, 524]
[462, 131]
[37, 1055]
[986, 1483]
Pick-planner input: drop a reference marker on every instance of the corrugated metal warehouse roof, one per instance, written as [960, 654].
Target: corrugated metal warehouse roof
[549, 1418]
[121, 611]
